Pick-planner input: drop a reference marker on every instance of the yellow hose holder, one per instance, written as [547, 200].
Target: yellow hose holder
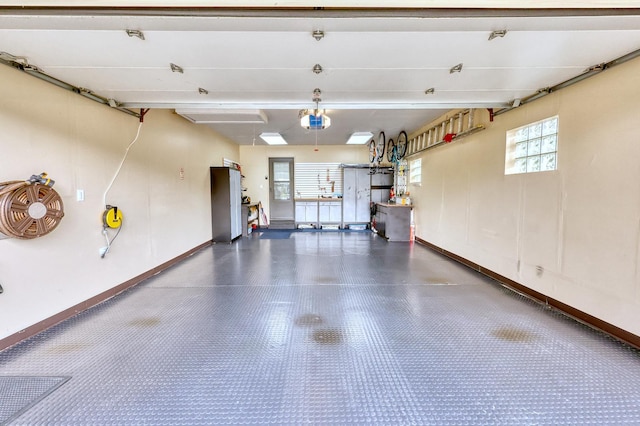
[112, 217]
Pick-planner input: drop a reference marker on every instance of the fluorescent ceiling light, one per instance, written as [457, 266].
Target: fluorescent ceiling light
[219, 116]
[273, 138]
[359, 138]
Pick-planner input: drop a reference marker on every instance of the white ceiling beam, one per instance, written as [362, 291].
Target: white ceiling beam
[324, 105]
[283, 4]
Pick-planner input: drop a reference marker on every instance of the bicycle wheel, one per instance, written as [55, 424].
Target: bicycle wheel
[401, 145]
[391, 151]
[380, 146]
[372, 151]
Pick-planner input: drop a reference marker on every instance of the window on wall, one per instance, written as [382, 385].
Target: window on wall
[314, 180]
[415, 171]
[532, 148]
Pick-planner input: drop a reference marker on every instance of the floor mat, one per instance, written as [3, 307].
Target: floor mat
[18, 394]
[275, 235]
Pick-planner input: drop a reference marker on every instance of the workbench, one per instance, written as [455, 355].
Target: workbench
[393, 221]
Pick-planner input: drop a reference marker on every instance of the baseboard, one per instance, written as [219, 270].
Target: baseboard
[583, 317]
[83, 306]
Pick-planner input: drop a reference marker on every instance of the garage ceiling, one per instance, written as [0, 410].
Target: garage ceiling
[376, 64]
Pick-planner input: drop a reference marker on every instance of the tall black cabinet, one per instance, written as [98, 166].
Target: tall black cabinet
[226, 204]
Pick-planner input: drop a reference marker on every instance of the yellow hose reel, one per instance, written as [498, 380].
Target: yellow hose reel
[112, 217]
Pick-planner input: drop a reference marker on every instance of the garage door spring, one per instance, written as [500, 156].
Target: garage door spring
[29, 209]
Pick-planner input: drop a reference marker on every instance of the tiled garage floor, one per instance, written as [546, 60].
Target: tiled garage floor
[325, 328]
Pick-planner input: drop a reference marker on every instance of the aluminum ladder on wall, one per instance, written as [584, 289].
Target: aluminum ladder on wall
[459, 125]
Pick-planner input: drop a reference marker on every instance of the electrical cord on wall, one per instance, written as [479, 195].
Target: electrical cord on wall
[115, 176]
[116, 221]
[109, 242]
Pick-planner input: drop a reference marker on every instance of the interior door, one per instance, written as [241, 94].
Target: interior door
[281, 186]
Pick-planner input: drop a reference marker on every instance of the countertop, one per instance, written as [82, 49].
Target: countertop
[395, 205]
[318, 199]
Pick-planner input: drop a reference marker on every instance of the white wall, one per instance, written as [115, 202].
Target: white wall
[581, 223]
[255, 163]
[80, 144]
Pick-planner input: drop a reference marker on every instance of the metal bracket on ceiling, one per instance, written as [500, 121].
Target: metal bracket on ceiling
[143, 112]
[497, 33]
[491, 114]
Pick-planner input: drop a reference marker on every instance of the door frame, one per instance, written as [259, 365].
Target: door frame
[280, 209]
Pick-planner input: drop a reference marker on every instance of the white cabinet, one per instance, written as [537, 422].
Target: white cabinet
[357, 196]
[318, 213]
[330, 212]
[307, 212]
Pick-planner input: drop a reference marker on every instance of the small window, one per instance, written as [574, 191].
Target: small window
[532, 148]
[415, 171]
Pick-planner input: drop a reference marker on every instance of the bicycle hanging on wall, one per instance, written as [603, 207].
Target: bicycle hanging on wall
[376, 148]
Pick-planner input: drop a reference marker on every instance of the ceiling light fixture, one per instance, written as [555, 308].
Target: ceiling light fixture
[496, 34]
[456, 68]
[176, 68]
[359, 138]
[315, 119]
[135, 33]
[273, 138]
[318, 34]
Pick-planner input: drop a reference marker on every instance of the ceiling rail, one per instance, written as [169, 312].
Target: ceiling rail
[22, 64]
[589, 72]
[339, 10]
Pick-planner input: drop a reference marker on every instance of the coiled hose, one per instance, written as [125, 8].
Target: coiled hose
[29, 209]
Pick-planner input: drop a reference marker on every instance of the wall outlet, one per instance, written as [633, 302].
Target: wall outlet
[80, 195]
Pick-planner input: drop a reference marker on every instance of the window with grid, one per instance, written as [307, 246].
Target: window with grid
[415, 171]
[532, 148]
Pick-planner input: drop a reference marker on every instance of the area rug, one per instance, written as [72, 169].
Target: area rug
[275, 235]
